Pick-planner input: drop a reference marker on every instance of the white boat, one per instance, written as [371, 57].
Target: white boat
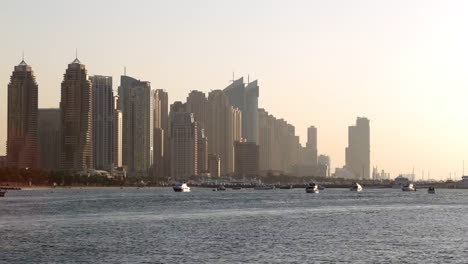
[356, 187]
[431, 190]
[264, 187]
[408, 188]
[181, 187]
[312, 188]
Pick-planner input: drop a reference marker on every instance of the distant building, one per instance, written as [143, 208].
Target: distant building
[197, 103]
[202, 148]
[184, 137]
[245, 98]
[49, 138]
[358, 150]
[224, 128]
[246, 159]
[311, 147]
[214, 165]
[117, 126]
[22, 138]
[103, 113]
[77, 119]
[325, 161]
[162, 159]
[135, 102]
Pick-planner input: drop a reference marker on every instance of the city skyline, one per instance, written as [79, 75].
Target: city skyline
[415, 104]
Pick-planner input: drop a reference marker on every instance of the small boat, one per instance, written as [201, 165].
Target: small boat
[215, 189]
[236, 188]
[264, 187]
[431, 190]
[2, 193]
[408, 188]
[286, 187]
[356, 187]
[221, 188]
[312, 188]
[320, 187]
[181, 187]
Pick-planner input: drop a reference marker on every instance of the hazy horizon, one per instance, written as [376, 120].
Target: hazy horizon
[401, 64]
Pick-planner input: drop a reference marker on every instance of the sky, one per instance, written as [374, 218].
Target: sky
[400, 63]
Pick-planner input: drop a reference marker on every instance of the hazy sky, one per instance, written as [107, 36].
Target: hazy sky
[402, 64]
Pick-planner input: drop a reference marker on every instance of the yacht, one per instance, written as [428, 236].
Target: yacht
[264, 187]
[312, 188]
[356, 187]
[431, 190]
[408, 188]
[181, 187]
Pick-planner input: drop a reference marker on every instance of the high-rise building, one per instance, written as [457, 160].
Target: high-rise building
[22, 138]
[162, 159]
[117, 126]
[184, 138]
[311, 147]
[245, 98]
[358, 150]
[246, 159]
[324, 160]
[103, 111]
[202, 148]
[135, 102]
[214, 165]
[197, 103]
[77, 119]
[224, 128]
[49, 138]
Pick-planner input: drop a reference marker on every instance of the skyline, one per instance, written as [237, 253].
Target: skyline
[414, 101]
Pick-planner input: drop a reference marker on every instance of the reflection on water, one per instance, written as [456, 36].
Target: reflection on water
[271, 226]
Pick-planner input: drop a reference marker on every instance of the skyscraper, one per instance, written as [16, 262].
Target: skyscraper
[135, 102]
[49, 138]
[358, 150]
[311, 147]
[202, 149]
[117, 135]
[224, 128]
[22, 138]
[245, 98]
[77, 119]
[246, 159]
[184, 139]
[103, 110]
[161, 164]
[197, 103]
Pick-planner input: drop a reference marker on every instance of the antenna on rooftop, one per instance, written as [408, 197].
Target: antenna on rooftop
[125, 70]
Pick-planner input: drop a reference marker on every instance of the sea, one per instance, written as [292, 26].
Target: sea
[157, 225]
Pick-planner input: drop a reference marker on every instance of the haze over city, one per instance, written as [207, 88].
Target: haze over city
[401, 64]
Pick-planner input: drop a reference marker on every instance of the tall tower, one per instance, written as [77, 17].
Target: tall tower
[22, 138]
[245, 98]
[116, 135]
[311, 147]
[77, 118]
[197, 103]
[161, 164]
[358, 150]
[135, 102]
[184, 141]
[103, 107]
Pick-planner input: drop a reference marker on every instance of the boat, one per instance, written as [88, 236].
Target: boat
[237, 188]
[356, 187]
[181, 187]
[2, 193]
[312, 188]
[431, 190]
[408, 188]
[221, 188]
[264, 187]
[286, 187]
[320, 187]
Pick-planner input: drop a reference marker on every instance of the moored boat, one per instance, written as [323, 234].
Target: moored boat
[221, 188]
[312, 188]
[431, 190]
[181, 187]
[264, 187]
[2, 193]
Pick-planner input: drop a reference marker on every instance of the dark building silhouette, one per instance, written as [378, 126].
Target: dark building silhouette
[246, 159]
[22, 138]
[49, 138]
[77, 119]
